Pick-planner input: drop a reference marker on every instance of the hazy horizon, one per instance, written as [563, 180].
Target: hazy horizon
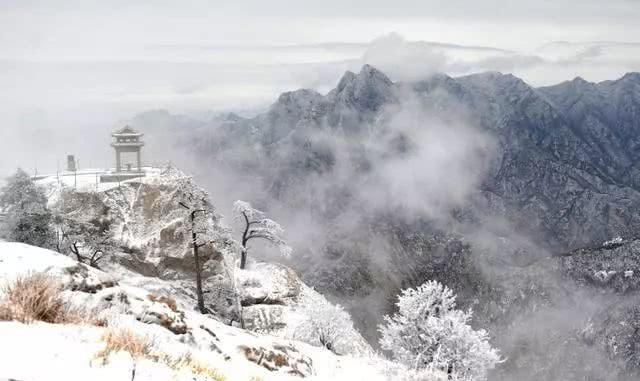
[76, 68]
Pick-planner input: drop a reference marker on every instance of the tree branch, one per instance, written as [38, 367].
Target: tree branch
[246, 230]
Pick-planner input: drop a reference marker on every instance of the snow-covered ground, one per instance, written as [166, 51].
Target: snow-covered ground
[41, 351]
[87, 180]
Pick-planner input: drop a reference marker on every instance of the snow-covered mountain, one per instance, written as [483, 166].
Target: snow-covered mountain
[476, 181]
[574, 142]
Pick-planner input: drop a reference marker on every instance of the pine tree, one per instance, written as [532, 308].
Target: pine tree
[199, 219]
[28, 218]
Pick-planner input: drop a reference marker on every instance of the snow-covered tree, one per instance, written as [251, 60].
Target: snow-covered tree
[256, 225]
[429, 333]
[327, 325]
[199, 218]
[28, 219]
[88, 241]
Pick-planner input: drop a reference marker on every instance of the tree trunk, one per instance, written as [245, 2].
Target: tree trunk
[196, 258]
[243, 258]
[245, 238]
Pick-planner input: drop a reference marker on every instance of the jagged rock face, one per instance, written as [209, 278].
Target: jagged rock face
[564, 168]
[561, 175]
[548, 177]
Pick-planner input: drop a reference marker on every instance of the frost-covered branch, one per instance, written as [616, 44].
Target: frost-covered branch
[258, 226]
[323, 324]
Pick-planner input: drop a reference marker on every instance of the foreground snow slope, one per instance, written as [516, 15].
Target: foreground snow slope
[42, 351]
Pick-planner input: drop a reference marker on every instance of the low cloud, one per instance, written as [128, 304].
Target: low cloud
[549, 64]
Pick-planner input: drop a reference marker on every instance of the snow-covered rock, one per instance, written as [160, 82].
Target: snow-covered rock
[146, 220]
[267, 293]
[151, 229]
[274, 301]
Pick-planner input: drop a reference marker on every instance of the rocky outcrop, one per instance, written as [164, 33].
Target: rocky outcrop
[267, 294]
[147, 222]
[151, 237]
[81, 277]
[284, 359]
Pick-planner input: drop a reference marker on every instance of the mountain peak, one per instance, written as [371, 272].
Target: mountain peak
[631, 76]
[493, 81]
[367, 90]
[579, 80]
[579, 84]
[370, 73]
[347, 78]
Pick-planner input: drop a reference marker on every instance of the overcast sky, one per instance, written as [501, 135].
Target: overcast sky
[52, 30]
[88, 65]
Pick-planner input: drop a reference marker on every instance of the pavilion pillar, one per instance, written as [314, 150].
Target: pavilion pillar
[127, 140]
[118, 164]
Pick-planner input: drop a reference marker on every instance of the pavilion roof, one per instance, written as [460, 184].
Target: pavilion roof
[126, 131]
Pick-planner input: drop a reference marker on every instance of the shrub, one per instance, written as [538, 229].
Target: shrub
[5, 313]
[117, 340]
[325, 325]
[125, 340]
[197, 367]
[200, 368]
[36, 297]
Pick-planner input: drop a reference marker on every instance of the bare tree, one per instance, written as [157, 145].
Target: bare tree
[256, 225]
